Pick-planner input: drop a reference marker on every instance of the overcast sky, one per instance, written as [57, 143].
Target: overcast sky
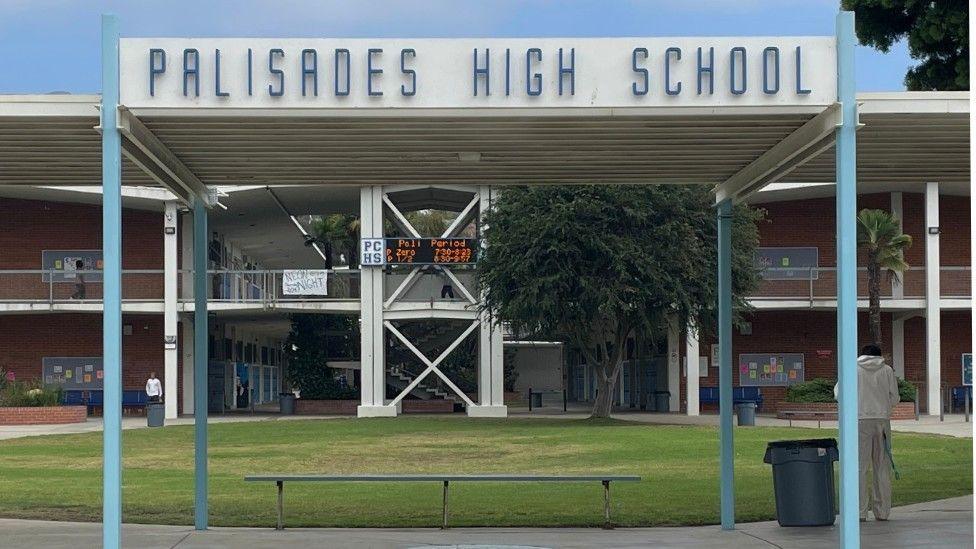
[53, 45]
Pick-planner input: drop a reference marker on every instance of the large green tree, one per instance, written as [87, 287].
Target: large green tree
[595, 265]
[937, 33]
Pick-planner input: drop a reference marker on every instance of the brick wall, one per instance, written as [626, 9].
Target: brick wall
[803, 332]
[29, 226]
[43, 415]
[26, 339]
[809, 331]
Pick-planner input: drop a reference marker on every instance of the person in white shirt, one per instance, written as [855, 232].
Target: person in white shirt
[877, 395]
[154, 389]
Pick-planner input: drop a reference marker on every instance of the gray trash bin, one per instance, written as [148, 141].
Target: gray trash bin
[803, 481]
[536, 400]
[155, 414]
[747, 413]
[662, 401]
[286, 403]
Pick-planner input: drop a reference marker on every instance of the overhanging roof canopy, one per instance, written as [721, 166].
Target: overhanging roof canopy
[51, 140]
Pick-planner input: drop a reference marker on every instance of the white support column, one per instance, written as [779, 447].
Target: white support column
[897, 286]
[491, 355]
[372, 356]
[933, 348]
[186, 257]
[898, 346]
[674, 365]
[187, 351]
[691, 375]
[170, 274]
[186, 326]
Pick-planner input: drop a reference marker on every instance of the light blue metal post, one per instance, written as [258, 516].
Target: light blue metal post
[726, 452]
[847, 283]
[112, 288]
[200, 362]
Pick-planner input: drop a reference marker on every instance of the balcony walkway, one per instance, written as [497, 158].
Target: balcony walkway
[949, 521]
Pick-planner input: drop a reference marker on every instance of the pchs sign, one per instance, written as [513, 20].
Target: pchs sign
[472, 73]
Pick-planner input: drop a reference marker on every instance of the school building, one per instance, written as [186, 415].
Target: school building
[50, 286]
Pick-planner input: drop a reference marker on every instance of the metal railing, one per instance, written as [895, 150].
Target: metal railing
[265, 286]
[56, 286]
[820, 283]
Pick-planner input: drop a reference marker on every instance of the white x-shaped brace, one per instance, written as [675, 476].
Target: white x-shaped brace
[459, 222]
[431, 365]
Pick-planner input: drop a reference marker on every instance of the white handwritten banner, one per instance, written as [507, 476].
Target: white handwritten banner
[305, 282]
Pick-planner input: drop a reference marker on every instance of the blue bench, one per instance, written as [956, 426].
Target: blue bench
[709, 395]
[959, 397]
[133, 398]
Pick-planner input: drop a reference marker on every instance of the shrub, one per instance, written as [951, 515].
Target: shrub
[822, 390]
[906, 391]
[29, 394]
[818, 390]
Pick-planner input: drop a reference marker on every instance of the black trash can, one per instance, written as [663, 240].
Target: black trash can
[746, 412]
[286, 404]
[155, 414]
[536, 400]
[803, 481]
[662, 401]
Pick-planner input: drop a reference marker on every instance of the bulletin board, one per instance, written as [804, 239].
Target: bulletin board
[64, 264]
[85, 373]
[770, 369]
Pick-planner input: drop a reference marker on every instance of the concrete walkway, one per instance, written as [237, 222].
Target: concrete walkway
[945, 524]
[139, 422]
[953, 425]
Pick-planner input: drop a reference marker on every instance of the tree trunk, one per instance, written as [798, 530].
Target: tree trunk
[606, 383]
[874, 300]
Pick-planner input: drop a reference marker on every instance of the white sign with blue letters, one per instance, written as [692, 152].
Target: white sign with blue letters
[244, 73]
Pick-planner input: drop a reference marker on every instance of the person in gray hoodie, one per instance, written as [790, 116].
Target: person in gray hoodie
[877, 395]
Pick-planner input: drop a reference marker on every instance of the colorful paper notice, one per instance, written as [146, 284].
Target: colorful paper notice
[87, 378]
[67, 374]
[100, 374]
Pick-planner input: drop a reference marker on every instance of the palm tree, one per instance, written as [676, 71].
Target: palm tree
[881, 238]
[341, 232]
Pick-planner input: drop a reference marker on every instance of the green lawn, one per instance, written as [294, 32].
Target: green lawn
[59, 477]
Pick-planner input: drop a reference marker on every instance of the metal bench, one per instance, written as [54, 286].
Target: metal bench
[280, 480]
[819, 416]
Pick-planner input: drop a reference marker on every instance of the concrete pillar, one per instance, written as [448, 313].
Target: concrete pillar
[170, 280]
[691, 380]
[933, 347]
[898, 346]
[372, 351]
[186, 327]
[897, 210]
[674, 365]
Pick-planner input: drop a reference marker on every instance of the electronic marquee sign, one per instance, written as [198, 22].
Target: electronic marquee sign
[418, 251]
[291, 73]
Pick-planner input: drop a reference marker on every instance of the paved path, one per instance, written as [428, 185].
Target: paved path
[954, 425]
[138, 422]
[945, 524]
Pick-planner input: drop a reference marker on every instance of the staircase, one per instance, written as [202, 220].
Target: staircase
[399, 378]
